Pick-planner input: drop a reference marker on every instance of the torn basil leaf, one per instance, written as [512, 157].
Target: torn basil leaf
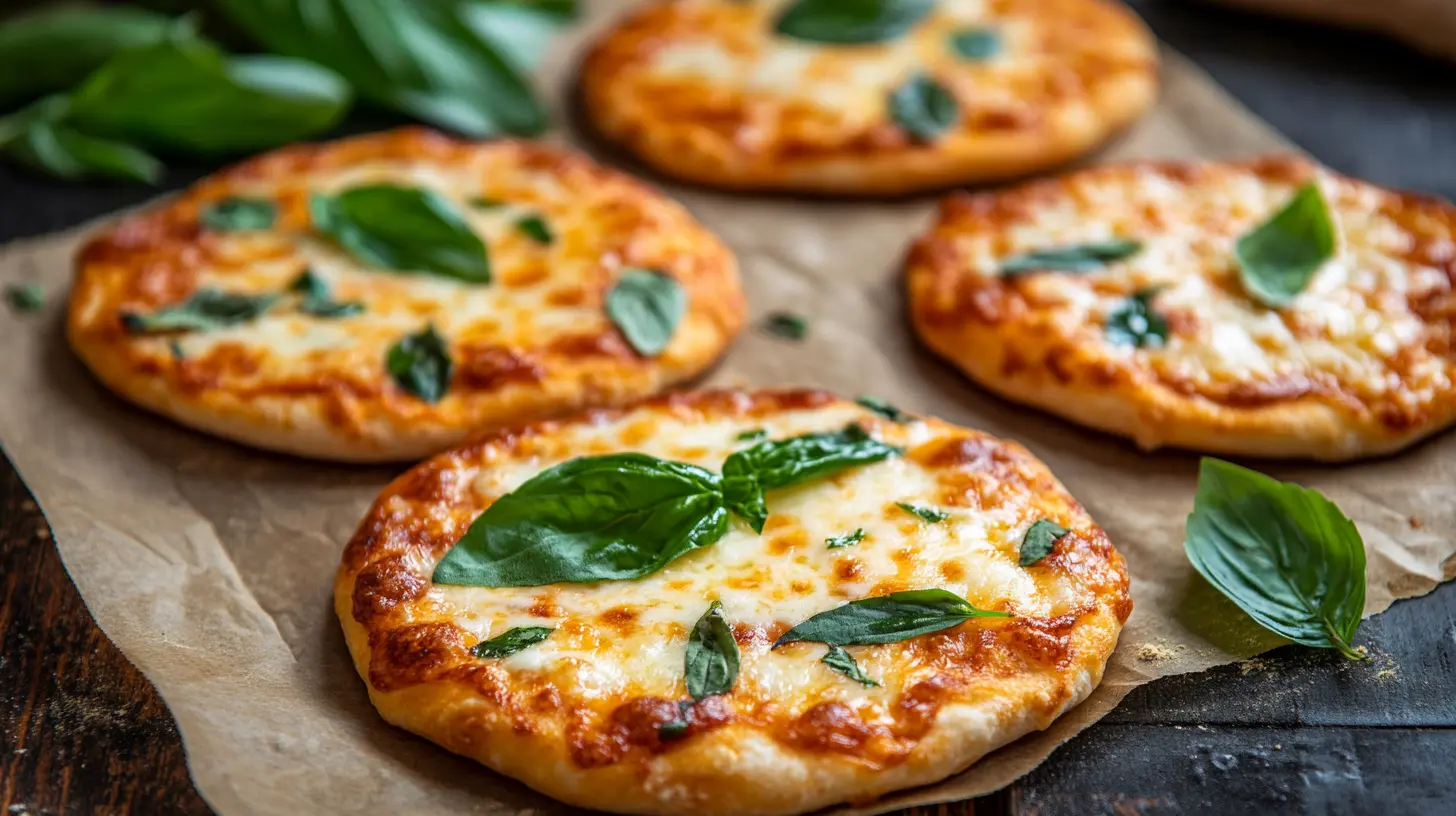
[1134, 322]
[512, 641]
[1077, 258]
[483, 203]
[646, 306]
[712, 656]
[884, 409]
[843, 662]
[676, 728]
[598, 518]
[536, 228]
[752, 436]
[924, 108]
[887, 619]
[785, 325]
[421, 364]
[205, 310]
[1039, 541]
[25, 297]
[317, 301]
[1278, 258]
[407, 229]
[976, 44]
[927, 514]
[237, 213]
[850, 22]
[1284, 554]
[749, 474]
[846, 540]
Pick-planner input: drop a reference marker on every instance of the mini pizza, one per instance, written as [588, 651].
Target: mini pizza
[1267, 308]
[868, 97]
[379, 298]
[728, 603]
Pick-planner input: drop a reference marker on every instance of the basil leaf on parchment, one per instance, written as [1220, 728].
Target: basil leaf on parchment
[976, 44]
[647, 307]
[848, 22]
[887, 619]
[1134, 323]
[749, 474]
[52, 50]
[1278, 258]
[318, 301]
[846, 540]
[421, 364]
[599, 518]
[408, 229]
[1077, 258]
[236, 213]
[786, 325]
[924, 108]
[25, 297]
[843, 662]
[205, 310]
[927, 514]
[1283, 553]
[712, 656]
[1039, 540]
[512, 641]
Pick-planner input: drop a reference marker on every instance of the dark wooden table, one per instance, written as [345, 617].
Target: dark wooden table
[1298, 731]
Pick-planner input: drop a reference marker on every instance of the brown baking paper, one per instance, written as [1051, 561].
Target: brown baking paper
[211, 565]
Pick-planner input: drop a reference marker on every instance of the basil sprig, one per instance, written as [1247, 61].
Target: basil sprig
[64, 152]
[421, 364]
[711, 664]
[238, 213]
[1133, 322]
[851, 21]
[205, 310]
[924, 108]
[976, 44]
[1278, 258]
[887, 619]
[512, 641]
[627, 515]
[51, 50]
[1077, 258]
[1039, 541]
[749, 474]
[843, 662]
[1284, 554]
[647, 307]
[409, 229]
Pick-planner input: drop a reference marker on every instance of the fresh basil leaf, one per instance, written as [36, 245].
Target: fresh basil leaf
[1077, 258]
[647, 307]
[976, 44]
[785, 325]
[1278, 258]
[318, 301]
[51, 110]
[752, 436]
[712, 657]
[749, 474]
[884, 409]
[421, 364]
[65, 153]
[409, 229]
[927, 514]
[426, 59]
[536, 228]
[599, 518]
[25, 297]
[843, 662]
[237, 213]
[1134, 323]
[1283, 553]
[520, 31]
[851, 21]
[512, 641]
[1039, 540]
[185, 95]
[887, 619]
[206, 310]
[53, 50]
[924, 108]
[846, 540]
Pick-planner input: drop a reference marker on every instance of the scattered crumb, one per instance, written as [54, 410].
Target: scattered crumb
[19, 751]
[43, 533]
[1415, 523]
[28, 506]
[1385, 674]
[1278, 746]
[1252, 665]
[1150, 652]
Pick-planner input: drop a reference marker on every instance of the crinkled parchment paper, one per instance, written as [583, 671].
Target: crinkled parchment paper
[211, 565]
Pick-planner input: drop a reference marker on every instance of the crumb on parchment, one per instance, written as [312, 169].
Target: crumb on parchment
[1151, 652]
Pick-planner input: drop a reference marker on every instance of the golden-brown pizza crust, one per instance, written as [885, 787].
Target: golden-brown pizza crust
[1071, 73]
[585, 730]
[333, 398]
[1362, 364]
